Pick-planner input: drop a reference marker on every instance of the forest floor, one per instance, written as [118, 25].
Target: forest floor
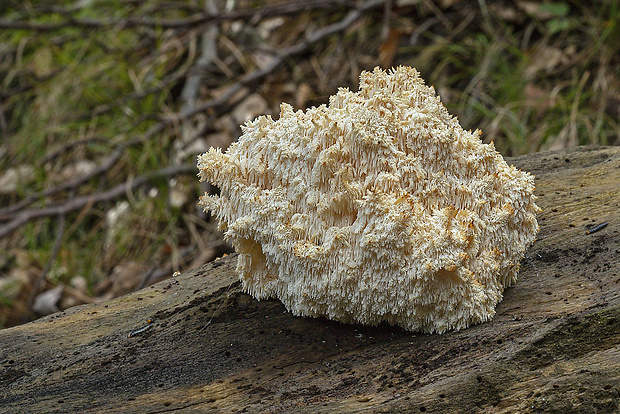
[104, 106]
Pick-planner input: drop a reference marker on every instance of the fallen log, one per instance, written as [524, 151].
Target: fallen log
[196, 343]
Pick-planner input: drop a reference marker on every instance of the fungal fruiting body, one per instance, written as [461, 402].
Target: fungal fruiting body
[377, 207]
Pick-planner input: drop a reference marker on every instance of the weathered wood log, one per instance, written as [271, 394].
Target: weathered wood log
[552, 347]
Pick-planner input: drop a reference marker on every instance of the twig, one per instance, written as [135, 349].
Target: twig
[79, 202]
[8, 212]
[385, 26]
[6, 94]
[190, 22]
[208, 52]
[67, 146]
[219, 102]
[252, 77]
[155, 273]
[60, 233]
[296, 49]
[4, 127]
[167, 81]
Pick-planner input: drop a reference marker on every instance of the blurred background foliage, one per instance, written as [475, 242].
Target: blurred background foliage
[104, 106]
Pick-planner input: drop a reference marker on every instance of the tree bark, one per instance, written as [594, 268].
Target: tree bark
[196, 343]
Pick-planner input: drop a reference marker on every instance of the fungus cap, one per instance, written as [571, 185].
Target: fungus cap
[377, 207]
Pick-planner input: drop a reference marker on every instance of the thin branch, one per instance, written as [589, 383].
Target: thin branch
[161, 86]
[219, 102]
[60, 234]
[26, 86]
[8, 212]
[67, 146]
[252, 77]
[193, 21]
[79, 202]
[284, 54]
[155, 273]
[207, 54]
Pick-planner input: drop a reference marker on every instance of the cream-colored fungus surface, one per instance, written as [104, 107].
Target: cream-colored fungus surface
[377, 207]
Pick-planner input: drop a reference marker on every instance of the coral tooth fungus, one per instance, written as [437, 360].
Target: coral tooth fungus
[377, 207]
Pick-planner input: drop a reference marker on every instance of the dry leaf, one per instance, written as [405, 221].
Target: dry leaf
[444, 4]
[538, 98]
[261, 58]
[15, 176]
[78, 169]
[251, 107]
[42, 61]
[47, 302]
[126, 277]
[219, 139]
[205, 256]
[388, 49]
[302, 94]
[267, 26]
[113, 218]
[543, 10]
[80, 284]
[546, 59]
[507, 13]
[177, 194]
[12, 284]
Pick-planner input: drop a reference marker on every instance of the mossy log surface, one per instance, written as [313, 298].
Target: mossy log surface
[554, 345]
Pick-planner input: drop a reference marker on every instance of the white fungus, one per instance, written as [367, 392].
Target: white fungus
[377, 207]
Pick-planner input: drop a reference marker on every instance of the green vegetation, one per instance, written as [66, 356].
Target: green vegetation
[95, 91]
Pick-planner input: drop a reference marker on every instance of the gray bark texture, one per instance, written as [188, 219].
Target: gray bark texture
[195, 343]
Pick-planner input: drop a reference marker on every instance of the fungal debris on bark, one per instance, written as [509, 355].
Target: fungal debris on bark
[376, 207]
